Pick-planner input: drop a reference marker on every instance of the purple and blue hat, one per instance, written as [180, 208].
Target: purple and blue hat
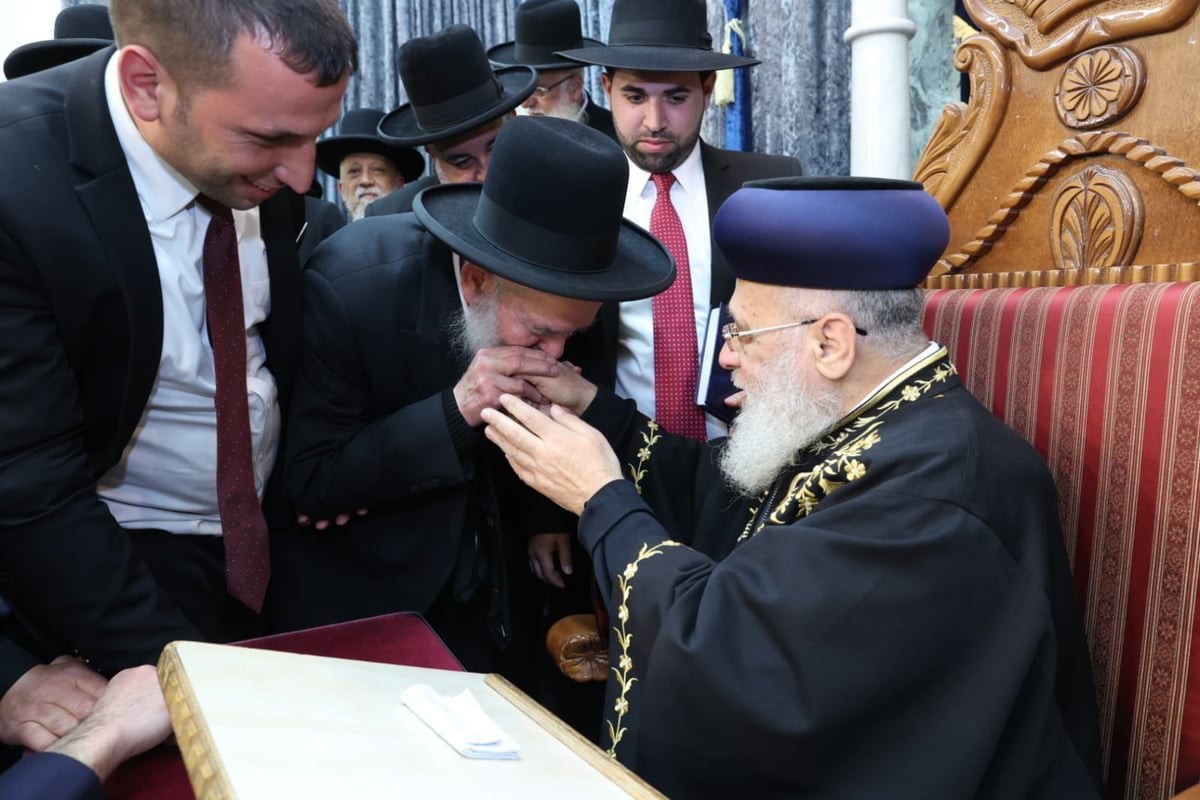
[832, 232]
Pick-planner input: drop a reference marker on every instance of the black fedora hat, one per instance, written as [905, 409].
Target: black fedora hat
[549, 215]
[451, 88]
[359, 133]
[543, 27]
[78, 31]
[661, 36]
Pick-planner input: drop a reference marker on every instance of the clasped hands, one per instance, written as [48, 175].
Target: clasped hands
[530, 402]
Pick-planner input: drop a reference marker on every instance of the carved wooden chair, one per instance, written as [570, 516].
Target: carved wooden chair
[1067, 301]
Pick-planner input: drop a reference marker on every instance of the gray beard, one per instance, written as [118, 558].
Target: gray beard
[359, 209]
[470, 333]
[565, 110]
[778, 419]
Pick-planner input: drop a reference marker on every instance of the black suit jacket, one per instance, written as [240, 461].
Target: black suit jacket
[321, 219]
[724, 173]
[81, 326]
[401, 200]
[375, 425]
[600, 118]
[50, 776]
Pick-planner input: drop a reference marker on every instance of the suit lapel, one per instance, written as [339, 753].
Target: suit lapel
[281, 331]
[719, 183]
[108, 197]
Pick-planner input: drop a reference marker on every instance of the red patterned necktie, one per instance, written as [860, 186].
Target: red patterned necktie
[243, 527]
[676, 362]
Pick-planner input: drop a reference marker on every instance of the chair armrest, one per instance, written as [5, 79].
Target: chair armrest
[578, 648]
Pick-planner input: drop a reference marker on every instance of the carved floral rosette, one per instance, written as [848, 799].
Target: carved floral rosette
[1099, 86]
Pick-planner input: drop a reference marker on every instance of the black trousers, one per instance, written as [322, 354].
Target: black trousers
[191, 568]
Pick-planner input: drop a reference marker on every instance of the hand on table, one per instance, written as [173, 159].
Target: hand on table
[48, 701]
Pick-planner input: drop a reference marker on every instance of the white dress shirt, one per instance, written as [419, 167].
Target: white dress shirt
[167, 476]
[635, 342]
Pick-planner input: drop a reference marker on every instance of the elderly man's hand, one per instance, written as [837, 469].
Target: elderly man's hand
[501, 370]
[568, 389]
[48, 701]
[558, 454]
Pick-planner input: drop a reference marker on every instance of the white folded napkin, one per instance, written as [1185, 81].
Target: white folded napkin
[460, 721]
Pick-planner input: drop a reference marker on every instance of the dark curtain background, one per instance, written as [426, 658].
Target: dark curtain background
[799, 94]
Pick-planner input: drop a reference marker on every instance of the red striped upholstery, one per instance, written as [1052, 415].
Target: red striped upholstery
[1105, 382]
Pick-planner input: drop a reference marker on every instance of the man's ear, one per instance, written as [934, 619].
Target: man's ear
[606, 82]
[476, 282]
[142, 78]
[575, 87]
[707, 85]
[834, 346]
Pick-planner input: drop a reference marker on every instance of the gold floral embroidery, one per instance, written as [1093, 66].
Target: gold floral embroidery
[908, 394]
[845, 448]
[624, 638]
[650, 438]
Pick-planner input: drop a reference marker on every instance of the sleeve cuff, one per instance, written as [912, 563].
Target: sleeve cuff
[464, 437]
[610, 414]
[615, 501]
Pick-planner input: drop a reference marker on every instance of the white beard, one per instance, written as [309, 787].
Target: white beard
[478, 330]
[780, 417]
[565, 110]
[363, 196]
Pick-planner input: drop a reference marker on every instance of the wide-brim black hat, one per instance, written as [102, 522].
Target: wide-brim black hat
[659, 36]
[543, 27]
[78, 31]
[452, 88]
[549, 215]
[359, 133]
[510, 54]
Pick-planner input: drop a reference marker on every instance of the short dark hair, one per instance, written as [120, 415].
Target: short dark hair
[310, 36]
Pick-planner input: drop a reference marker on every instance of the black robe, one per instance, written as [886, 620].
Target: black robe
[894, 618]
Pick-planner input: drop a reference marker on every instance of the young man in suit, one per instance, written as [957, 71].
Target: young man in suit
[543, 27]
[133, 177]
[659, 74]
[457, 105]
[413, 324]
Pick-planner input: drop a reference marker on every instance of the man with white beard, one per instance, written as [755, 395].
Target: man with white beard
[367, 167]
[414, 323]
[543, 27]
[864, 591]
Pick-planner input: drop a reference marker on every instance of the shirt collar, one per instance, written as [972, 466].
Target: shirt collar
[689, 175]
[162, 191]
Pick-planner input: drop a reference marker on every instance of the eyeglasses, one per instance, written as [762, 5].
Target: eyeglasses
[542, 91]
[730, 332]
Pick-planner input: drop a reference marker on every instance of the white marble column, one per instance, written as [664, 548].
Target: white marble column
[879, 85]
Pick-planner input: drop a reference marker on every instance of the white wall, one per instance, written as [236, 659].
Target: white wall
[23, 21]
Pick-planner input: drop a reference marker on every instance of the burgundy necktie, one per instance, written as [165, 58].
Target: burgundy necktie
[676, 362]
[243, 527]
